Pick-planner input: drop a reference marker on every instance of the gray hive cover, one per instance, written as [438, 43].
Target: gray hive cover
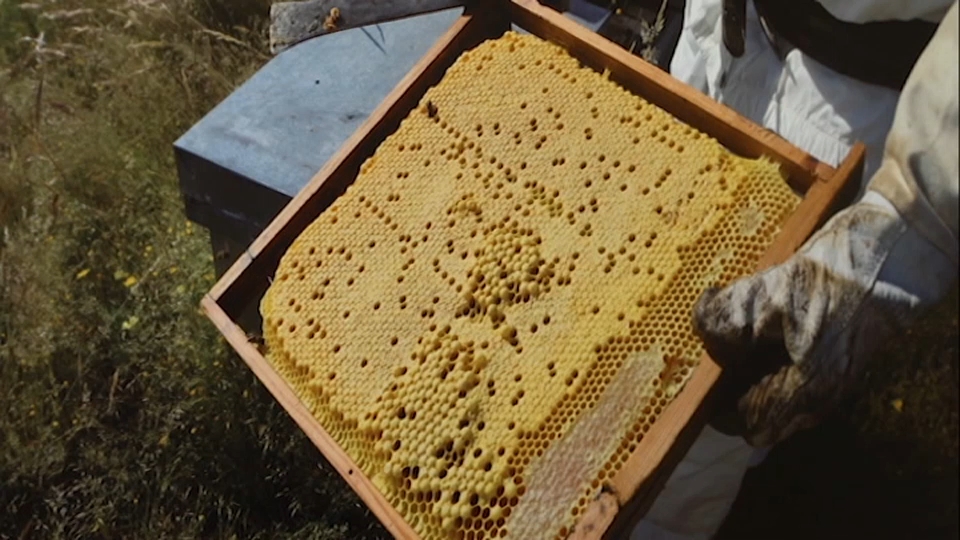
[247, 157]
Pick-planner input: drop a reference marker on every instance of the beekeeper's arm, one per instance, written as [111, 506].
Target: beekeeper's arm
[861, 279]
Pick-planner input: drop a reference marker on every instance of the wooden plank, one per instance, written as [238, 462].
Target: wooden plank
[735, 132]
[647, 469]
[597, 518]
[284, 395]
[248, 277]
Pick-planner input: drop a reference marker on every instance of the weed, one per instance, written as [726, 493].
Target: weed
[124, 415]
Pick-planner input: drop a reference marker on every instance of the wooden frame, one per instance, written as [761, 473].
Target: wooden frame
[630, 493]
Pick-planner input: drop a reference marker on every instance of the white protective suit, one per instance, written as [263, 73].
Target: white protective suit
[908, 214]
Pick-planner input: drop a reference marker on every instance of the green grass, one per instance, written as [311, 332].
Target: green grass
[124, 414]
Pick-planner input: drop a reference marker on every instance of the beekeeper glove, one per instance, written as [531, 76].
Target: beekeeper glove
[793, 340]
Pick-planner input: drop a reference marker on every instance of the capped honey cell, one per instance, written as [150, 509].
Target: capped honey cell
[497, 310]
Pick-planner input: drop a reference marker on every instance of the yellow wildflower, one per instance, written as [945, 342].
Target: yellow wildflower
[130, 281]
[131, 322]
[83, 273]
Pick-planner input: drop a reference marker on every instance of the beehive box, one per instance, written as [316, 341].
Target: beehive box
[541, 362]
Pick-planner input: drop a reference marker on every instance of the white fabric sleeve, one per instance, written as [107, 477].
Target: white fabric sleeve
[823, 113]
[864, 11]
[919, 171]
[813, 107]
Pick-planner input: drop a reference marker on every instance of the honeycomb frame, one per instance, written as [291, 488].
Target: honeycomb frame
[236, 284]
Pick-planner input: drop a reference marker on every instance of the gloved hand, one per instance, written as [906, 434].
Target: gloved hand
[794, 339]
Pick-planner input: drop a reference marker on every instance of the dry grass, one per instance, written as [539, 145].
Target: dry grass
[124, 416]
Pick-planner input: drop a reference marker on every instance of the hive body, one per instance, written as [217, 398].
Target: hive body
[498, 309]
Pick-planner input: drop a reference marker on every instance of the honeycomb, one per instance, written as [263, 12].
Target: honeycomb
[494, 314]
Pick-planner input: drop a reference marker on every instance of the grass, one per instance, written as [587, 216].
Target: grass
[124, 414]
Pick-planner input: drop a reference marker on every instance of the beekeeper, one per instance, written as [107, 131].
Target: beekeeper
[871, 269]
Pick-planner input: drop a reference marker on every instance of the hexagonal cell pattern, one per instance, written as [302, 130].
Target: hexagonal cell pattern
[495, 313]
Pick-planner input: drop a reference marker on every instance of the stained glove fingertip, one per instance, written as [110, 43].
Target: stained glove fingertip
[705, 311]
[712, 324]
